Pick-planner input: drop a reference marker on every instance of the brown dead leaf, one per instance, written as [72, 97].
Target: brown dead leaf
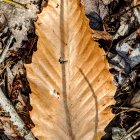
[69, 97]
[97, 35]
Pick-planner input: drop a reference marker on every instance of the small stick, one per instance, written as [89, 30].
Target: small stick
[125, 109]
[15, 118]
[130, 132]
[133, 132]
[138, 123]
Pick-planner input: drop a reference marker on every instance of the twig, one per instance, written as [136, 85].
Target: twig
[133, 132]
[130, 132]
[3, 55]
[14, 117]
[126, 109]
[138, 123]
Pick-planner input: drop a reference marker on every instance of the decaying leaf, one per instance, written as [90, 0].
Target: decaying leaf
[71, 85]
[135, 102]
[97, 35]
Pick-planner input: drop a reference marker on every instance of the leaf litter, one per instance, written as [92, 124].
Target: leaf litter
[121, 20]
[17, 43]
[116, 26]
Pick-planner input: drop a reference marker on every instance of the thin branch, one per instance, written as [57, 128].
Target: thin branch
[134, 126]
[126, 109]
[130, 132]
[15, 118]
[133, 132]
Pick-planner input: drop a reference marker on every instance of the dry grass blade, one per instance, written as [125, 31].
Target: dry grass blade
[63, 104]
[14, 3]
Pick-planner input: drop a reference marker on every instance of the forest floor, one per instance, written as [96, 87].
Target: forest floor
[117, 29]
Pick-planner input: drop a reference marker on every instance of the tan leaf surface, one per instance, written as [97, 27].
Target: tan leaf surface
[70, 101]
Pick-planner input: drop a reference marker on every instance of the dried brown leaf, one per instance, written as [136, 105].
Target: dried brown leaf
[71, 85]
